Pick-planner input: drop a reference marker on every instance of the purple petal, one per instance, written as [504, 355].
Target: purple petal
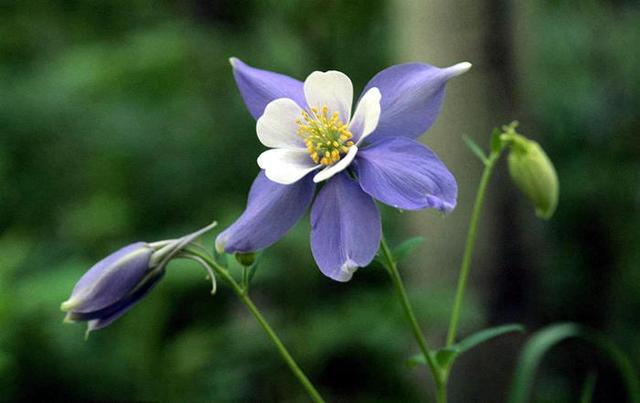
[411, 97]
[259, 87]
[97, 269]
[345, 228]
[111, 279]
[272, 209]
[115, 311]
[405, 174]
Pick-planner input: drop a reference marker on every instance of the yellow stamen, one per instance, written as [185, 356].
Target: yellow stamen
[325, 136]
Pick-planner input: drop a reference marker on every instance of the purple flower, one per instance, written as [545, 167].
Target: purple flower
[369, 154]
[113, 285]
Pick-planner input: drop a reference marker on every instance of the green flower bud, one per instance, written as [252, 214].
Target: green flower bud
[246, 258]
[533, 173]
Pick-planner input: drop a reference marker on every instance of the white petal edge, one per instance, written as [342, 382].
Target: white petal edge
[285, 166]
[277, 126]
[331, 88]
[367, 114]
[339, 166]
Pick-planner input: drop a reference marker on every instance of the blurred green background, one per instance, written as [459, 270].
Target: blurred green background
[120, 121]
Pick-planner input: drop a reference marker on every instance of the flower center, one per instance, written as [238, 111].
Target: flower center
[326, 138]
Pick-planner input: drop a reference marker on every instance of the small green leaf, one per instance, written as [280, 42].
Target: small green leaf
[496, 141]
[404, 249]
[416, 360]
[547, 338]
[475, 148]
[486, 335]
[446, 356]
[588, 387]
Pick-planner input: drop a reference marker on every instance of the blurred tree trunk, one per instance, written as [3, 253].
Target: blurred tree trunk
[444, 32]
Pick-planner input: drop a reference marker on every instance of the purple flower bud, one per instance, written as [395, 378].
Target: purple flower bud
[113, 285]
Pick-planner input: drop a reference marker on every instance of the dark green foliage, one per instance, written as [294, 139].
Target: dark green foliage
[120, 121]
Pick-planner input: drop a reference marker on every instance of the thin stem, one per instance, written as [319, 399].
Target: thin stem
[392, 268]
[441, 393]
[468, 249]
[240, 292]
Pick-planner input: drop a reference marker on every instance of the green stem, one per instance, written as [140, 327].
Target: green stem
[392, 268]
[468, 249]
[441, 393]
[240, 291]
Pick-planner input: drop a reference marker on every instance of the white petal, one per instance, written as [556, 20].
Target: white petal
[341, 165]
[286, 166]
[331, 88]
[277, 126]
[365, 119]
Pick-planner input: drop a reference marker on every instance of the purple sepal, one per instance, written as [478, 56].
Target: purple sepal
[345, 228]
[412, 95]
[272, 209]
[110, 314]
[111, 279]
[405, 174]
[259, 87]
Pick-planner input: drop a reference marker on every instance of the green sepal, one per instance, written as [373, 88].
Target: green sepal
[496, 141]
[245, 259]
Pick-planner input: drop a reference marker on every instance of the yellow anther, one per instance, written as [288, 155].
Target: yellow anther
[324, 134]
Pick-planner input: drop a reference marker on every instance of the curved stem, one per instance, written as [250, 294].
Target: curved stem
[468, 249]
[240, 292]
[392, 268]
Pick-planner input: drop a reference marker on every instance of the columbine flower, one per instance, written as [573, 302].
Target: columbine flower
[113, 285]
[369, 154]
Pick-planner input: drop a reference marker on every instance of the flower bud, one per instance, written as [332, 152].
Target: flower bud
[246, 259]
[113, 285]
[533, 173]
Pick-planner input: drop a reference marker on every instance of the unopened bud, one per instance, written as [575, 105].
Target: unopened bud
[116, 283]
[533, 173]
[246, 258]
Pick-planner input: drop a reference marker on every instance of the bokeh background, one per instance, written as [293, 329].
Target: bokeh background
[120, 121]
